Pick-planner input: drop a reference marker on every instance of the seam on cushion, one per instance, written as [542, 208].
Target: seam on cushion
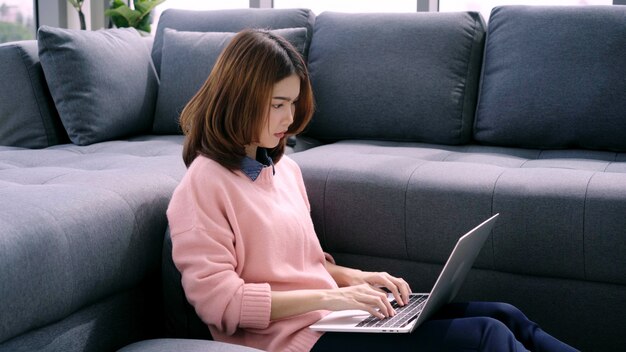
[583, 229]
[493, 240]
[406, 191]
[32, 88]
[464, 150]
[536, 158]
[611, 162]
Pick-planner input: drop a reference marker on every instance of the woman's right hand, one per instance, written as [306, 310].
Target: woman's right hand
[363, 297]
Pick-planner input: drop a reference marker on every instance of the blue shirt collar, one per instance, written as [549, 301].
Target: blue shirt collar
[252, 168]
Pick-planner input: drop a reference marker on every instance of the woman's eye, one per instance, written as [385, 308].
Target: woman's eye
[277, 106]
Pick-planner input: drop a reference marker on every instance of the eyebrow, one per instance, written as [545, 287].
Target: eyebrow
[285, 98]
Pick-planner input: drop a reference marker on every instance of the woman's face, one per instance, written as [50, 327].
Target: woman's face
[281, 111]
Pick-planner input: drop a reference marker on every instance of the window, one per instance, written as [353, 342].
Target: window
[17, 20]
[485, 6]
[319, 6]
[196, 5]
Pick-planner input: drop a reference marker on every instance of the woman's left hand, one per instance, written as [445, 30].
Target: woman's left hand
[351, 277]
[399, 288]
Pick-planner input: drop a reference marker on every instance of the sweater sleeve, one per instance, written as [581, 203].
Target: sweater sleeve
[204, 252]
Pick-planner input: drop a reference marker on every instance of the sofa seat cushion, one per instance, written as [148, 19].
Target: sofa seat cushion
[409, 77]
[187, 345]
[553, 77]
[80, 224]
[561, 212]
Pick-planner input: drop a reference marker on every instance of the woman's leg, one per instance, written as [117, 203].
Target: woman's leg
[463, 334]
[525, 331]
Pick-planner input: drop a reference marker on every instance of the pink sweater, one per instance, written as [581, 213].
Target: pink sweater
[235, 240]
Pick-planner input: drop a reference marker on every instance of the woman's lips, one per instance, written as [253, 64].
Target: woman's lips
[279, 135]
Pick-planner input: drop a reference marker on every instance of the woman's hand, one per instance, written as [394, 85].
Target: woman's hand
[358, 290]
[344, 276]
[363, 297]
[399, 288]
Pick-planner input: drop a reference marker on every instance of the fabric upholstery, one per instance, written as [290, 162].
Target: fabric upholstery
[103, 82]
[228, 21]
[102, 325]
[92, 216]
[187, 59]
[553, 77]
[402, 77]
[187, 345]
[29, 118]
[553, 221]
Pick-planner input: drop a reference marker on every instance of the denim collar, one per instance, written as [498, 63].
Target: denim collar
[252, 168]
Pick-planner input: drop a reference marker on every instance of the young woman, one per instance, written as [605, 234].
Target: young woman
[243, 238]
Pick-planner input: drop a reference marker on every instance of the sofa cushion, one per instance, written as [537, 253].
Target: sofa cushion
[402, 77]
[186, 61]
[187, 345]
[560, 210]
[103, 82]
[81, 223]
[227, 21]
[27, 113]
[540, 94]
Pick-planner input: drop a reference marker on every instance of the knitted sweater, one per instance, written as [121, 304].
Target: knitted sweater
[235, 240]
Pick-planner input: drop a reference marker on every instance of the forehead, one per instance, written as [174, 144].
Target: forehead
[288, 87]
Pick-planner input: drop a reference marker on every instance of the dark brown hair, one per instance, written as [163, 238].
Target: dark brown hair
[231, 108]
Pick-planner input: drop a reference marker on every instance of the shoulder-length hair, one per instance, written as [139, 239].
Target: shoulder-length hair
[232, 106]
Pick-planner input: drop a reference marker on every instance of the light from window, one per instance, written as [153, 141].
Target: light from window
[485, 6]
[196, 5]
[17, 20]
[319, 6]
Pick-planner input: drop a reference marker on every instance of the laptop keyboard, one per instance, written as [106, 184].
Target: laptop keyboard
[404, 315]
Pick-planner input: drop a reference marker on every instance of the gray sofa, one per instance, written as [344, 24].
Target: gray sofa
[426, 124]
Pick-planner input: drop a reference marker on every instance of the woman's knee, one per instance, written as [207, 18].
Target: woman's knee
[496, 336]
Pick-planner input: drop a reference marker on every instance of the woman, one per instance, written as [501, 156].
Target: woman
[243, 238]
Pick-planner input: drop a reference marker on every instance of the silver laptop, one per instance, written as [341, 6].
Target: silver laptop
[421, 305]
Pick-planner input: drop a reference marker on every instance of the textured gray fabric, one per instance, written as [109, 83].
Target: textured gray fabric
[228, 21]
[103, 82]
[186, 61]
[553, 77]
[169, 345]
[422, 197]
[102, 326]
[405, 77]
[541, 223]
[29, 118]
[80, 223]
[604, 224]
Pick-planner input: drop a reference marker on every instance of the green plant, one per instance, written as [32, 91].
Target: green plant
[122, 15]
[78, 5]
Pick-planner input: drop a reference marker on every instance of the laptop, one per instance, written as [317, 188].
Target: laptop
[421, 305]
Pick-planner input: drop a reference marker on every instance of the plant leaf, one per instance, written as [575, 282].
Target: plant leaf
[132, 17]
[146, 6]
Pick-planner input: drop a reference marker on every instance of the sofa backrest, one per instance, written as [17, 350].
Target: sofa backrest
[188, 43]
[402, 77]
[227, 21]
[28, 117]
[554, 77]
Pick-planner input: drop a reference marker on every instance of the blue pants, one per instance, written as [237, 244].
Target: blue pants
[475, 326]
